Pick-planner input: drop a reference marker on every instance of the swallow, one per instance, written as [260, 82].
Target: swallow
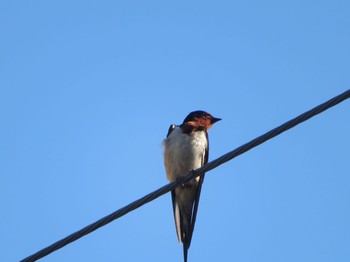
[186, 148]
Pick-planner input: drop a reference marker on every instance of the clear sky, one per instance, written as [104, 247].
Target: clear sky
[88, 90]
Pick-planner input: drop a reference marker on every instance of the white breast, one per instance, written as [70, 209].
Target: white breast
[183, 152]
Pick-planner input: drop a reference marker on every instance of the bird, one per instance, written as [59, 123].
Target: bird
[186, 148]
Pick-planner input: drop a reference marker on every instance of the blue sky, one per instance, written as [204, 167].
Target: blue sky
[88, 90]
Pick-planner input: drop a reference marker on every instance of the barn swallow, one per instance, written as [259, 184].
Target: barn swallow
[186, 149]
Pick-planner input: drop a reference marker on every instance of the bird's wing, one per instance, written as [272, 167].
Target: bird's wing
[176, 209]
[198, 193]
[171, 128]
[177, 215]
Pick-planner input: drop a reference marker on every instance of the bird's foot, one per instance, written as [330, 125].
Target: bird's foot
[186, 184]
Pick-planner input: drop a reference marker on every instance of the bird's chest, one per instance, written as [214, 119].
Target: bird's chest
[184, 152]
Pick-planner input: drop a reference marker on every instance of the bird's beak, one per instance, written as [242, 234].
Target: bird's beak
[214, 120]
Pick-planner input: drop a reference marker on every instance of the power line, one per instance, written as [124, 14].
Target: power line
[211, 165]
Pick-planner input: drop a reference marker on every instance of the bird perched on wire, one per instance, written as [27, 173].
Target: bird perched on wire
[186, 149]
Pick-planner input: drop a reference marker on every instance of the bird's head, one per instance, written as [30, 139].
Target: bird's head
[201, 118]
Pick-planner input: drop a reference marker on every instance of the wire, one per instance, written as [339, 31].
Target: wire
[211, 165]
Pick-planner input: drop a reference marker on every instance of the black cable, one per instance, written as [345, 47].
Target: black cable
[211, 165]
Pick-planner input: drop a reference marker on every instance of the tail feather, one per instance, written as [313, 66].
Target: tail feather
[185, 247]
[185, 212]
[186, 230]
